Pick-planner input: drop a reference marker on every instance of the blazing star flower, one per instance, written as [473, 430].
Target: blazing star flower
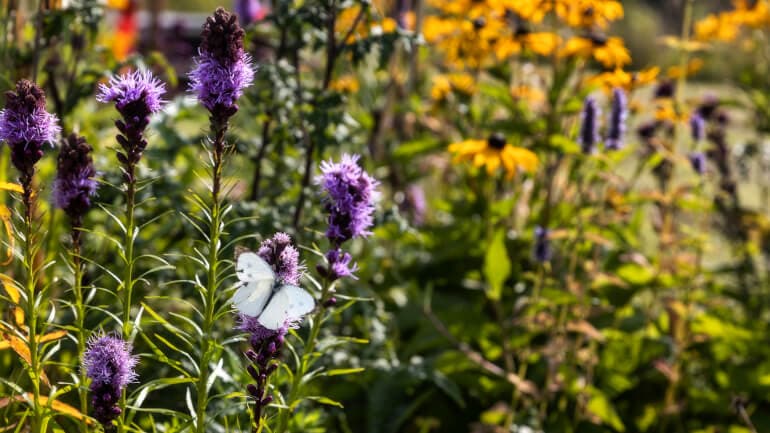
[223, 69]
[349, 198]
[74, 185]
[697, 127]
[26, 126]
[617, 122]
[589, 126]
[136, 95]
[495, 152]
[542, 250]
[283, 257]
[110, 366]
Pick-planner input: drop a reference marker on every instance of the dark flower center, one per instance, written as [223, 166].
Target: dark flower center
[496, 141]
[598, 39]
[479, 23]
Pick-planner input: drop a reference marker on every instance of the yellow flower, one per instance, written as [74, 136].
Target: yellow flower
[364, 27]
[345, 84]
[693, 66]
[466, 42]
[723, 27]
[542, 43]
[628, 81]
[441, 87]
[532, 95]
[665, 111]
[610, 52]
[589, 14]
[445, 84]
[494, 153]
[529, 10]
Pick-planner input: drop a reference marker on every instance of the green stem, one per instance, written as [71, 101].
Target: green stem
[80, 312]
[35, 367]
[295, 393]
[215, 231]
[128, 277]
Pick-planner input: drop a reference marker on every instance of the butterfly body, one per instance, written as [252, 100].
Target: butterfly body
[262, 296]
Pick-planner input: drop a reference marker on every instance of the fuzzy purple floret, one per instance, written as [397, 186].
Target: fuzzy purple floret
[108, 360]
[617, 122]
[589, 126]
[350, 194]
[220, 83]
[283, 257]
[138, 93]
[339, 264]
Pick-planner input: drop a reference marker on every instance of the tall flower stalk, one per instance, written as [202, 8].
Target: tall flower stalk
[222, 71]
[137, 95]
[72, 192]
[349, 200]
[26, 126]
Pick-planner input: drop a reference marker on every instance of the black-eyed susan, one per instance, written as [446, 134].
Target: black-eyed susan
[542, 43]
[532, 95]
[691, 68]
[723, 27]
[345, 84]
[589, 14]
[610, 52]
[465, 42]
[495, 153]
[444, 84]
[529, 10]
[628, 81]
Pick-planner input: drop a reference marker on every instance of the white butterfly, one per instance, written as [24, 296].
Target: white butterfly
[259, 296]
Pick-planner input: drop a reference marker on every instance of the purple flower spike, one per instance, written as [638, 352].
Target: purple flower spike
[223, 69]
[74, 185]
[349, 199]
[26, 126]
[24, 119]
[135, 94]
[283, 257]
[617, 122]
[542, 250]
[110, 366]
[589, 126]
[698, 162]
[697, 127]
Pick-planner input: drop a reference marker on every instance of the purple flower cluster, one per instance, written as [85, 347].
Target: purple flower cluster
[350, 194]
[136, 95]
[26, 126]
[75, 184]
[110, 366]
[589, 126]
[617, 122]
[697, 127]
[223, 69]
[542, 250]
[283, 257]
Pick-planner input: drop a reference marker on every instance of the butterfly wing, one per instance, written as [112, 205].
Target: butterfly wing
[250, 267]
[287, 304]
[257, 278]
[251, 297]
